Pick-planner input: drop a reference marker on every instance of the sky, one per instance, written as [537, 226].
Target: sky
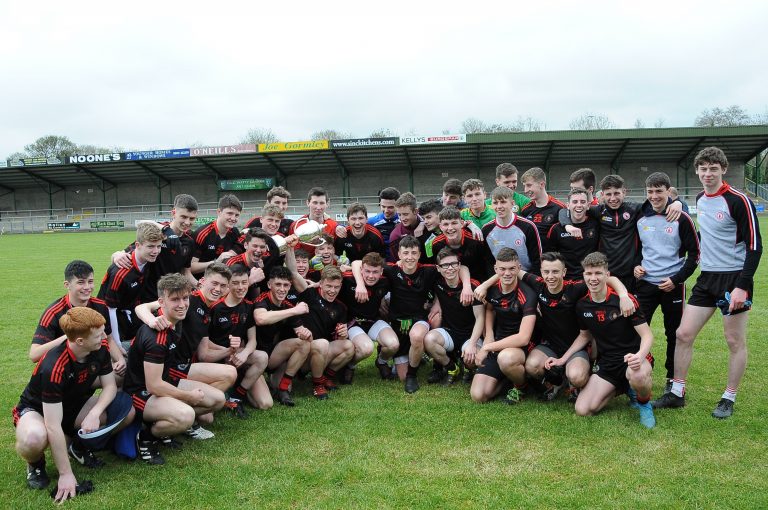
[166, 74]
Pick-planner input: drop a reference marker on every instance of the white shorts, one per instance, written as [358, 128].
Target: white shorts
[448, 342]
[373, 332]
[465, 344]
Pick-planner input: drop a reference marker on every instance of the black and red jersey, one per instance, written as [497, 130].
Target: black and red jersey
[229, 320]
[157, 347]
[510, 308]
[284, 228]
[269, 334]
[269, 259]
[557, 312]
[194, 325]
[120, 289]
[618, 236]
[324, 316]
[59, 378]
[457, 319]
[356, 248]
[210, 243]
[48, 328]
[615, 334]
[574, 249]
[543, 217]
[363, 314]
[409, 292]
[472, 253]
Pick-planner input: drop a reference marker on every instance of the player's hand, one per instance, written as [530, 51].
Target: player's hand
[361, 294]
[119, 366]
[466, 296]
[477, 233]
[480, 293]
[303, 333]
[341, 231]
[159, 323]
[122, 259]
[627, 305]
[674, 211]
[67, 488]
[738, 297]
[345, 268]
[553, 362]
[196, 396]
[419, 230]
[639, 272]
[341, 331]
[292, 241]
[575, 232]
[256, 275]
[172, 240]
[301, 308]
[633, 360]
[384, 308]
[480, 357]
[311, 284]
[470, 354]
[239, 358]
[667, 285]
[234, 342]
[226, 255]
[90, 422]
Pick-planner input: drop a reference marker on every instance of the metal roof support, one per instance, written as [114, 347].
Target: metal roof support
[548, 157]
[36, 177]
[280, 176]
[344, 178]
[616, 162]
[477, 160]
[410, 169]
[81, 168]
[160, 179]
[213, 171]
[10, 190]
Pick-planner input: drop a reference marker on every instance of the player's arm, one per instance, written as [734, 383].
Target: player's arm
[91, 421]
[627, 304]
[37, 350]
[146, 313]
[240, 357]
[290, 262]
[634, 360]
[579, 343]
[466, 286]
[264, 317]
[210, 352]
[361, 293]
[689, 240]
[490, 316]
[153, 376]
[53, 413]
[482, 290]
[190, 277]
[199, 267]
[748, 229]
[477, 330]
[114, 325]
[117, 354]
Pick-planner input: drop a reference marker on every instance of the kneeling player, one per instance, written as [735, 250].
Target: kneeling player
[157, 376]
[510, 316]
[59, 399]
[623, 345]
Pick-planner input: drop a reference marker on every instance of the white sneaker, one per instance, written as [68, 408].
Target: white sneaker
[198, 432]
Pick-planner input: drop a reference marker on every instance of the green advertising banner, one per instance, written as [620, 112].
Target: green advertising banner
[246, 184]
[202, 220]
[108, 224]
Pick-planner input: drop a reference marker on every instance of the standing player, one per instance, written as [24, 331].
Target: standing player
[387, 219]
[277, 196]
[476, 211]
[219, 240]
[472, 253]
[543, 209]
[59, 400]
[510, 230]
[429, 210]
[585, 178]
[121, 288]
[670, 253]
[274, 315]
[624, 360]
[460, 324]
[572, 248]
[407, 212]
[157, 376]
[317, 203]
[510, 316]
[78, 280]
[361, 237]
[731, 248]
[506, 176]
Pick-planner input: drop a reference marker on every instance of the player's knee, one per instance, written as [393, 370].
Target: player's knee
[303, 347]
[259, 359]
[683, 336]
[509, 358]
[735, 342]
[217, 398]
[229, 375]
[577, 376]
[533, 368]
[364, 349]
[478, 394]
[320, 346]
[34, 440]
[582, 407]
[184, 417]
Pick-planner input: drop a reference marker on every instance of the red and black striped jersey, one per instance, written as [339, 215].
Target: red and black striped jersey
[509, 308]
[574, 249]
[543, 217]
[409, 292]
[229, 320]
[48, 328]
[324, 316]
[120, 288]
[268, 334]
[457, 319]
[210, 243]
[356, 248]
[157, 347]
[59, 377]
[615, 334]
[363, 314]
[472, 253]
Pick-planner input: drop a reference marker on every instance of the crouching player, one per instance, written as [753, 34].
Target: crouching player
[624, 362]
[157, 372]
[59, 399]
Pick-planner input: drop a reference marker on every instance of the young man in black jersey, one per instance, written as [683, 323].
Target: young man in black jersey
[231, 339]
[472, 253]
[122, 288]
[543, 209]
[260, 256]
[272, 217]
[624, 362]
[59, 400]
[411, 284]
[219, 240]
[78, 280]
[460, 324]
[572, 248]
[214, 285]
[510, 316]
[274, 315]
[157, 376]
[429, 210]
[361, 237]
[178, 247]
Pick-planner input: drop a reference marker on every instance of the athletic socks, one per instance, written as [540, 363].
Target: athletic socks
[412, 371]
[330, 374]
[240, 392]
[146, 434]
[643, 399]
[730, 394]
[678, 387]
[285, 382]
[318, 381]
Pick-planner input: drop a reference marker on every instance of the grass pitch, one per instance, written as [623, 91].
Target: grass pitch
[371, 445]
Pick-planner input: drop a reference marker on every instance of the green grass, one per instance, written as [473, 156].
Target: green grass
[371, 445]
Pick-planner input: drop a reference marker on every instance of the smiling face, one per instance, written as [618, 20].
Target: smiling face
[279, 289]
[371, 274]
[614, 197]
[254, 250]
[711, 176]
[238, 286]
[534, 189]
[326, 253]
[657, 196]
[214, 287]
[475, 199]
[578, 205]
[79, 289]
[595, 278]
[329, 288]
[270, 224]
[281, 202]
[148, 251]
[449, 268]
[357, 221]
[450, 199]
[387, 207]
[174, 305]
[509, 181]
[553, 272]
[507, 272]
[227, 218]
[431, 220]
[452, 230]
[409, 257]
[502, 207]
[183, 219]
[407, 216]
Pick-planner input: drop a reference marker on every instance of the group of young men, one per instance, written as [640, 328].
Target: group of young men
[515, 294]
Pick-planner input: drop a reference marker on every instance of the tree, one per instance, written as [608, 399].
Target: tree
[17, 155]
[592, 121]
[95, 149]
[659, 123]
[734, 115]
[527, 124]
[330, 134]
[639, 124]
[382, 133]
[260, 135]
[51, 146]
[473, 125]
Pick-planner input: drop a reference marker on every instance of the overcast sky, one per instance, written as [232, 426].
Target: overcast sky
[167, 74]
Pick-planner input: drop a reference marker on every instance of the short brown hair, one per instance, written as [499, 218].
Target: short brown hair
[502, 193]
[219, 268]
[357, 207]
[272, 210]
[406, 200]
[471, 185]
[449, 213]
[148, 233]
[586, 175]
[79, 321]
[612, 181]
[446, 252]
[330, 273]
[230, 201]
[278, 191]
[184, 201]
[536, 173]
[317, 191]
[507, 255]
[373, 259]
[595, 259]
[505, 170]
[711, 155]
[658, 180]
[173, 283]
[578, 191]
[452, 187]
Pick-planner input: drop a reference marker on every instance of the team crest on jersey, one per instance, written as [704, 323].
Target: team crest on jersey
[518, 242]
[606, 219]
[590, 234]
[93, 367]
[719, 216]
[613, 315]
[515, 208]
[549, 218]
[669, 230]
[625, 215]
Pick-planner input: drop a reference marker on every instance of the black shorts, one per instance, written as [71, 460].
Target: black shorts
[711, 287]
[615, 372]
[491, 367]
[71, 410]
[140, 399]
[402, 328]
